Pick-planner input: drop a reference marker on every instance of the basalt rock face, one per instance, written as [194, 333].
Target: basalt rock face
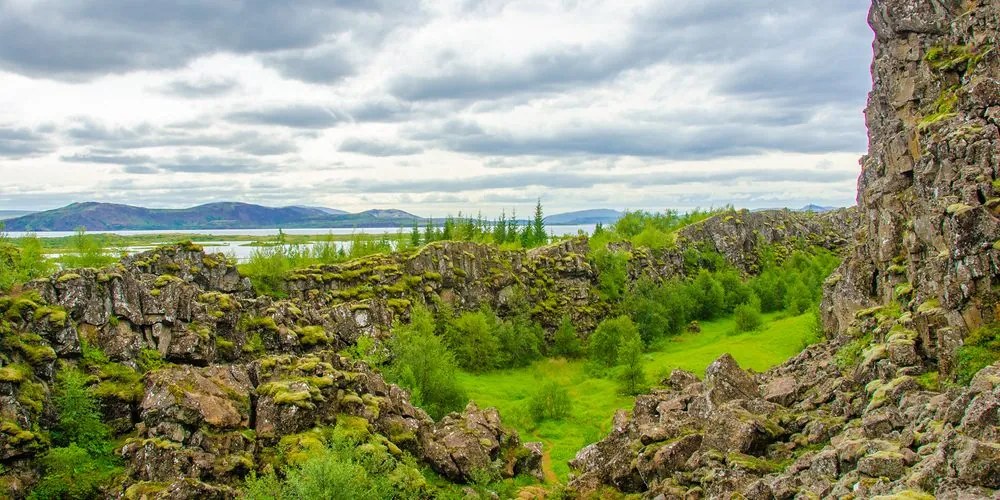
[203, 378]
[808, 428]
[558, 279]
[929, 194]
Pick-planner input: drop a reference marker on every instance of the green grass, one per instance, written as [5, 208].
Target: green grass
[595, 400]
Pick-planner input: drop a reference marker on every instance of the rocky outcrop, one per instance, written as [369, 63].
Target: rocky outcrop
[807, 428]
[929, 191]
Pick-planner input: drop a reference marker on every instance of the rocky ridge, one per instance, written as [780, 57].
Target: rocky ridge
[875, 411]
[204, 377]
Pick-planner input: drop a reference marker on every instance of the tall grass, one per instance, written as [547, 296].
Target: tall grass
[21, 262]
[270, 264]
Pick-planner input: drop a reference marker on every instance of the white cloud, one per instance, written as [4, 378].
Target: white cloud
[453, 105]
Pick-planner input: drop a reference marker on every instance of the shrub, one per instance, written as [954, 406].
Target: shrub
[610, 335]
[520, 341]
[551, 402]
[748, 317]
[422, 363]
[473, 338]
[708, 294]
[632, 379]
[612, 269]
[566, 342]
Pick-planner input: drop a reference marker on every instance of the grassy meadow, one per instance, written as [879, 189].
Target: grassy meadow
[595, 398]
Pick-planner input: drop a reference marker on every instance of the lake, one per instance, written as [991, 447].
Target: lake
[241, 251]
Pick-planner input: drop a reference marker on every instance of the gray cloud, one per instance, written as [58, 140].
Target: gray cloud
[579, 180]
[23, 142]
[325, 65]
[667, 139]
[85, 39]
[295, 116]
[372, 147]
[197, 89]
[89, 132]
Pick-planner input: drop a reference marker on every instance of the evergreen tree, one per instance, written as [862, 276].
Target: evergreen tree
[500, 229]
[415, 235]
[538, 236]
[429, 230]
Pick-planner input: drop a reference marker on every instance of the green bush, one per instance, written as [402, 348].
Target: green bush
[82, 461]
[352, 464]
[551, 402]
[520, 341]
[21, 262]
[472, 336]
[422, 364]
[612, 269]
[86, 251]
[632, 379]
[566, 342]
[748, 317]
[610, 335]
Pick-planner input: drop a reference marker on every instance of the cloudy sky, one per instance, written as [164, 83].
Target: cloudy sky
[434, 106]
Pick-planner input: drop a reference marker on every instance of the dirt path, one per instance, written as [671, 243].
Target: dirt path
[550, 474]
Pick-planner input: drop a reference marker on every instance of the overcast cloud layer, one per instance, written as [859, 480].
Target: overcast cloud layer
[433, 107]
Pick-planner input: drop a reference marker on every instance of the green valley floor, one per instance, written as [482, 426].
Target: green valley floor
[595, 399]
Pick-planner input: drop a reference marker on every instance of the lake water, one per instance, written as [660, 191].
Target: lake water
[556, 230]
[241, 251]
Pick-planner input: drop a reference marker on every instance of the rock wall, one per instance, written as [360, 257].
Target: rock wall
[929, 194]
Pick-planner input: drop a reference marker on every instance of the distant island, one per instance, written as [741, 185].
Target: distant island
[232, 215]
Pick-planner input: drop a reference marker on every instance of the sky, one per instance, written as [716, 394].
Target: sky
[434, 107]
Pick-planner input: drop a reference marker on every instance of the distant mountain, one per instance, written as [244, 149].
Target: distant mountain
[10, 214]
[331, 211]
[225, 215]
[816, 208]
[602, 215]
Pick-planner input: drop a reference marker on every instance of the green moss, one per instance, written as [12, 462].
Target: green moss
[849, 355]
[144, 490]
[54, 314]
[956, 209]
[961, 58]
[929, 306]
[903, 290]
[221, 301]
[226, 346]
[149, 360]
[897, 269]
[929, 381]
[981, 349]
[257, 324]
[166, 279]
[15, 373]
[942, 109]
[67, 277]
[755, 464]
[432, 276]
[312, 335]
[398, 305]
[254, 345]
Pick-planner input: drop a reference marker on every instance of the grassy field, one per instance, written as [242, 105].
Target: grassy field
[596, 399]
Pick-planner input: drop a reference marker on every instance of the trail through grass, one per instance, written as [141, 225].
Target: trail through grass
[596, 399]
